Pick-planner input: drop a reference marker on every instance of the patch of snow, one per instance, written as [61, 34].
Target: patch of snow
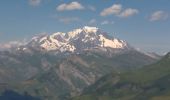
[115, 43]
[90, 29]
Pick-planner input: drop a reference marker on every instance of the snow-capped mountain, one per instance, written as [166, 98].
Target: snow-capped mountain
[63, 64]
[77, 40]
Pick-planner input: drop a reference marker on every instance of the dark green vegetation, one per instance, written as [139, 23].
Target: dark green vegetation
[59, 77]
[11, 95]
[151, 82]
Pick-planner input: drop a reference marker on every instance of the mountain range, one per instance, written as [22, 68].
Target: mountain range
[63, 65]
[77, 40]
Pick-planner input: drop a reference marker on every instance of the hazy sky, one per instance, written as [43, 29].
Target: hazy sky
[144, 24]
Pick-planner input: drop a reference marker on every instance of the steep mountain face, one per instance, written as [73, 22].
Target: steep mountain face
[148, 83]
[61, 65]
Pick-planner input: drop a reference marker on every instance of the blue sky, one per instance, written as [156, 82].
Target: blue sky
[144, 24]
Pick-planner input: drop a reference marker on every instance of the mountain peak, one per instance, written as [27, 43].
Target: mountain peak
[90, 29]
[85, 30]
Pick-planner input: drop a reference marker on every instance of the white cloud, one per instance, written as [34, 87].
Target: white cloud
[4, 46]
[158, 15]
[70, 6]
[11, 44]
[117, 10]
[114, 9]
[35, 2]
[92, 21]
[106, 22]
[128, 12]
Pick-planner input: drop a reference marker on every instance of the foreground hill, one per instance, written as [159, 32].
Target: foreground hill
[148, 83]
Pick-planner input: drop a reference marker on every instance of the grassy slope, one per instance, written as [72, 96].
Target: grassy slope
[148, 83]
